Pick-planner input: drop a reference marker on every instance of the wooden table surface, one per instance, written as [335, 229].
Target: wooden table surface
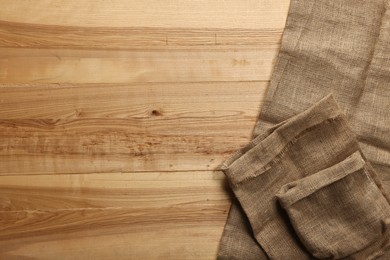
[114, 118]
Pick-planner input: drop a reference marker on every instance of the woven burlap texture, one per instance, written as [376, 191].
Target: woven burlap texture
[328, 46]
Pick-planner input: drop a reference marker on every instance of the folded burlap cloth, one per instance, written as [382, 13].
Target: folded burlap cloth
[313, 182]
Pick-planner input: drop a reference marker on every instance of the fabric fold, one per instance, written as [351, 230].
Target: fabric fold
[311, 141]
[295, 191]
[339, 211]
[257, 156]
[328, 46]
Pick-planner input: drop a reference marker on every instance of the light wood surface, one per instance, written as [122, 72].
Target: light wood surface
[114, 118]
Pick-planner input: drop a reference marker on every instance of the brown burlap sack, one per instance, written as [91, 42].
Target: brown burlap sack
[328, 46]
[338, 211]
[305, 144]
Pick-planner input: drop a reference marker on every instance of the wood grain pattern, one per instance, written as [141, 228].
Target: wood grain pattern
[115, 116]
[114, 66]
[111, 190]
[21, 35]
[124, 127]
[144, 212]
[143, 101]
[149, 13]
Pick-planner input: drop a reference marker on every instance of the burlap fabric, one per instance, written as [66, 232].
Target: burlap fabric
[338, 211]
[306, 162]
[329, 46]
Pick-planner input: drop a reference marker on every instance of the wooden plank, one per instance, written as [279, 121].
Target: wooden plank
[113, 66]
[149, 13]
[53, 36]
[133, 190]
[87, 145]
[154, 239]
[130, 101]
[116, 215]
[126, 127]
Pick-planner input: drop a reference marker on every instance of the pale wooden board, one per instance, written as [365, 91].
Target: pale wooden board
[149, 13]
[116, 215]
[114, 116]
[124, 127]
[112, 190]
[18, 35]
[137, 101]
[114, 66]
[142, 240]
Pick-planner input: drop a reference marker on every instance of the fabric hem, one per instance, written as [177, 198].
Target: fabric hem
[295, 191]
[256, 156]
